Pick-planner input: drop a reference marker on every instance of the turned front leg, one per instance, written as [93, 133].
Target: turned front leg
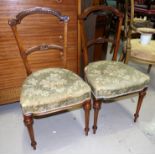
[87, 107]
[97, 107]
[139, 104]
[28, 121]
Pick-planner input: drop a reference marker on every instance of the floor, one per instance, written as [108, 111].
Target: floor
[63, 133]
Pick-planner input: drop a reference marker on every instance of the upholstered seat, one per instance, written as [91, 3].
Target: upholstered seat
[143, 52]
[52, 89]
[110, 79]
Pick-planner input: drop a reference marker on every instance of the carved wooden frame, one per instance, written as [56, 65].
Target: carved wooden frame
[25, 52]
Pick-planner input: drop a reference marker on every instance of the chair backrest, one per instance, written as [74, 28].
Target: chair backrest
[25, 52]
[87, 43]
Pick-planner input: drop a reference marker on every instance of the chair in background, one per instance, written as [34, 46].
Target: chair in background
[145, 8]
[48, 90]
[110, 79]
[133, 49]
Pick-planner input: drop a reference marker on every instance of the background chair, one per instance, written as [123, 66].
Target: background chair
[48, 90]
[109, 79]
[145, 8]
[134, 27]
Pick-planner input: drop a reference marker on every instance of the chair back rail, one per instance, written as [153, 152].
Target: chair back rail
[43, 47]
[86, 43]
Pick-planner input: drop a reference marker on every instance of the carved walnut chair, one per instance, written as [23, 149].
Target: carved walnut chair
[133, 49]
[110, 79]
[49, 90]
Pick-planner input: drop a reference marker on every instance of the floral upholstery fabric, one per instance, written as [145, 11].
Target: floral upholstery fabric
[110, 79]
[52, 89]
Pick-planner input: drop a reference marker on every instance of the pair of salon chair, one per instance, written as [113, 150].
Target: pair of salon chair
[51, 90]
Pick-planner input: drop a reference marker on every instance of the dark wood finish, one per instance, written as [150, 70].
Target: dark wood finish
[102, 39]
[12, 73]
[86, 43]
[28, 121]
[87, 107]
[97, 107]
[100, 50]
[139, 104]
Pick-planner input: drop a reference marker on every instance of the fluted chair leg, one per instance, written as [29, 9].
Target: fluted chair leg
[28, 121]
[87, 107]
[140, 100]
[97, 107]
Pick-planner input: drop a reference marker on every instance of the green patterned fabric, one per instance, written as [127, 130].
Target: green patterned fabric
[110, 79]
[52, 89]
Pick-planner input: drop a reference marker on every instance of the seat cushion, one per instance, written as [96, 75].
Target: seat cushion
[110, 79]
[52, 89]
[143, 52]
